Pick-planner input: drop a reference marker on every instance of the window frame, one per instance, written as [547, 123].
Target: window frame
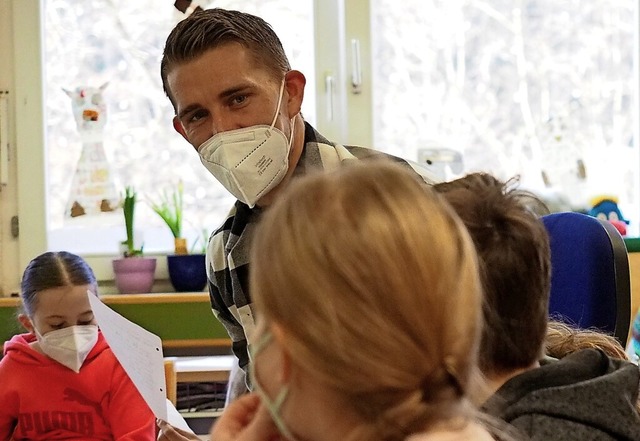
[30, 131]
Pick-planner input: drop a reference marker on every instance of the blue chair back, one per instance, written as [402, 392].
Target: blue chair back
[590, 285]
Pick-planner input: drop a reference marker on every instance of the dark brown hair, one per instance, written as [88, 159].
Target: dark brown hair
[53, 270]
[211, 28]
[515, 268]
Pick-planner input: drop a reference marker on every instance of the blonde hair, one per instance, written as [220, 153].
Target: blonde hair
[375, 279]
[563, 339]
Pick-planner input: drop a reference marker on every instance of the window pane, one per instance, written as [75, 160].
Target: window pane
[119, 43]
[541, 88]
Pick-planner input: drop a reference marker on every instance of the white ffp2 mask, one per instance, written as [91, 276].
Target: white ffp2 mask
[69, 346]
[251, 161]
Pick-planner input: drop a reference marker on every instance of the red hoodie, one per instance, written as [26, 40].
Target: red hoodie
[40, 399]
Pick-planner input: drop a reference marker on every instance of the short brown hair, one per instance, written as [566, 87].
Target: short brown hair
[515, 268]
[211, 28]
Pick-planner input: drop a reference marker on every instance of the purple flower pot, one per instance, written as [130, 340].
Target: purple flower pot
[134, 275]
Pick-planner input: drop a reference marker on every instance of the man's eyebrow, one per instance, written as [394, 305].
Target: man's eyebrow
[233, 90]
[187, 110]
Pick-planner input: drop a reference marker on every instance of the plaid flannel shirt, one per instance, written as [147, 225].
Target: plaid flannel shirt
[228, 250]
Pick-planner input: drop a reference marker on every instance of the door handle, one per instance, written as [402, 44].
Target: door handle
[356, 67]
[329, 93]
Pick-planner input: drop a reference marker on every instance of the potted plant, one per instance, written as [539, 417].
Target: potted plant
[187, 271]
[169, 208]
[134, 273]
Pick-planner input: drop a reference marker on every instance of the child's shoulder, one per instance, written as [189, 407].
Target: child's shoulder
[18, 353]
[19, 343]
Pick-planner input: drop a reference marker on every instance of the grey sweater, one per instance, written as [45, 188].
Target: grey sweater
[584, 396]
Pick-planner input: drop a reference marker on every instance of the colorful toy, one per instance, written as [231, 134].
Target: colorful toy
[93, 190]
[606, 208]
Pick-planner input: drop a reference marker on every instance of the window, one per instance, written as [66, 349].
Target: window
[117, 45]
[543, 89]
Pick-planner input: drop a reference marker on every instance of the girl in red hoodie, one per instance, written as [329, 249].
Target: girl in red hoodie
[61, 380]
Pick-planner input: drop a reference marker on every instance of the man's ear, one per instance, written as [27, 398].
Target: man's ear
[178, 127]
[294, 83]
[26, 323]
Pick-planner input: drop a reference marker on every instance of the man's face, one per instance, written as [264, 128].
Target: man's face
[224, 89]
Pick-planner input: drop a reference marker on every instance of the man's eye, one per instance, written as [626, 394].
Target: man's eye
[238, 99]
[57, 326]
[197, 116]
[85, 323]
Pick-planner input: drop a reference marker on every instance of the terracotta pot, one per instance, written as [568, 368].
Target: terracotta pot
[188, 273]
[134, 275]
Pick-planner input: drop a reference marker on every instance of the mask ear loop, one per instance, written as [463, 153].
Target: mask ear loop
[255, 348]
[275, 117]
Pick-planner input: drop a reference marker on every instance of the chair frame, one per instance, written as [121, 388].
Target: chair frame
[623, 282]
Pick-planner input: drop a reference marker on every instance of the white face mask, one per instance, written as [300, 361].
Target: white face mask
[249, 162]
[69, 346]
[273, 406]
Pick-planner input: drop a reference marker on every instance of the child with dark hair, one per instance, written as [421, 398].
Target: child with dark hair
[586, 394]
[61, 380]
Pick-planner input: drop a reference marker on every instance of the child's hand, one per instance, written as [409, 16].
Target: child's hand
[170, 433]
[245, 419]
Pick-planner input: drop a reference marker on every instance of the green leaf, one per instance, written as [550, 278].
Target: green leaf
[170, 208]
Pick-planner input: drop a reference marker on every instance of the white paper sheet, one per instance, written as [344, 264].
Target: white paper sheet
[175, 419]
[138, 351]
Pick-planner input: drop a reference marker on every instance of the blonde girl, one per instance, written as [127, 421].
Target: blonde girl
[369, 309]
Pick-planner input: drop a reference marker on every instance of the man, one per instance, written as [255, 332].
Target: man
[237, 102]
[585, 395]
